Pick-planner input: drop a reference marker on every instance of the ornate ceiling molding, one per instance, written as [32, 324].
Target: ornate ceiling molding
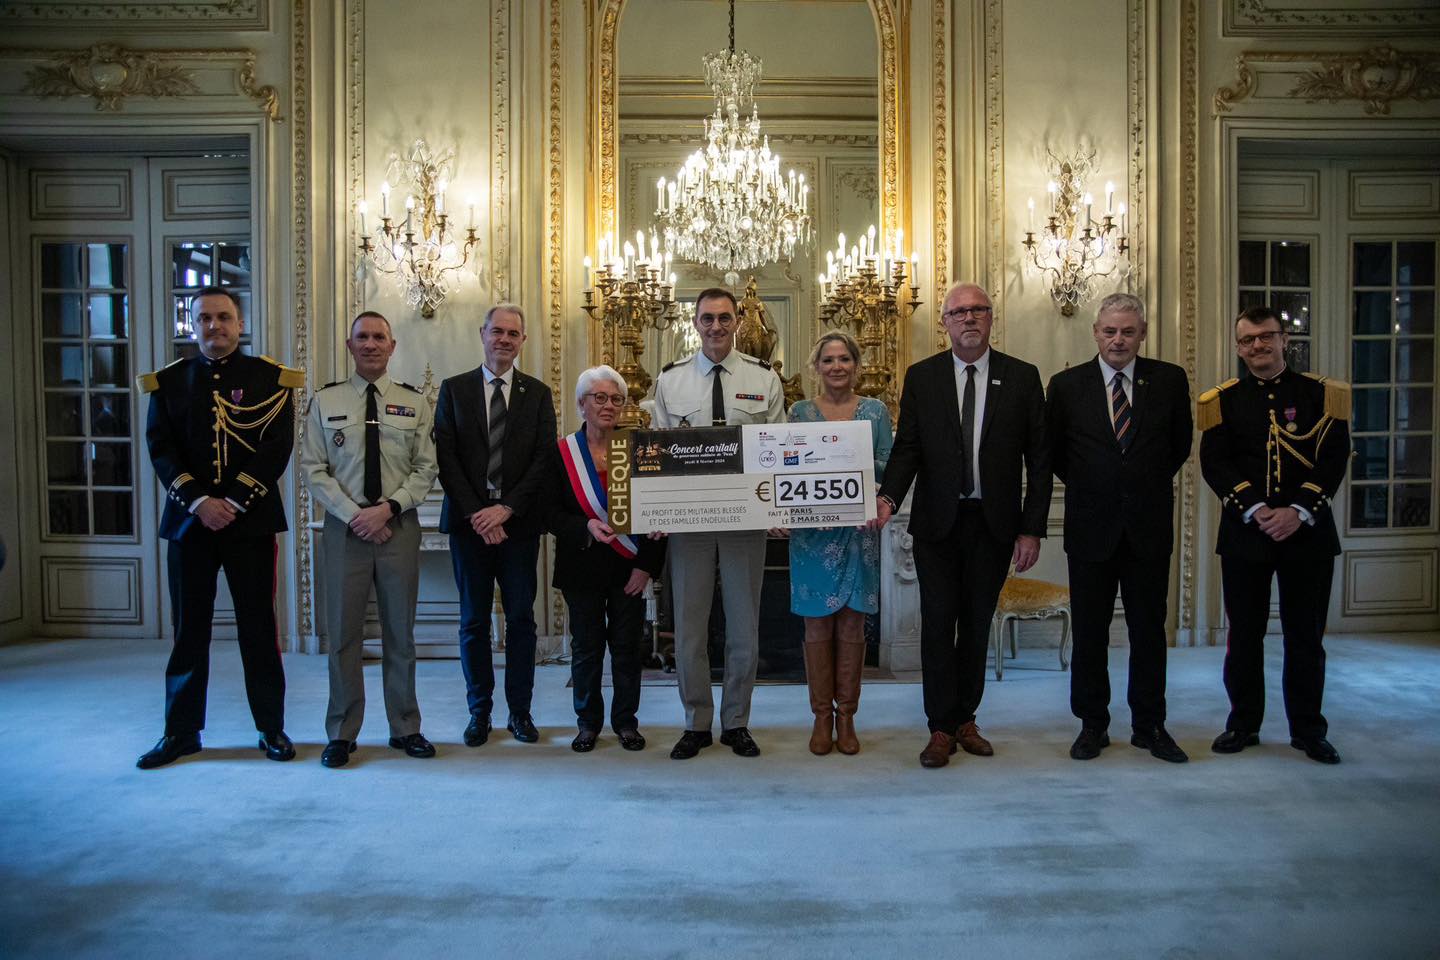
[1378, 78]
[150, 17]
[112, 74]
[1365, 18]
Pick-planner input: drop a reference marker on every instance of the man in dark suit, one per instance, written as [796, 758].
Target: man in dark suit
[1119, 431]
[220, 433]
[970, 418]
[1274, 446]
[494, 428]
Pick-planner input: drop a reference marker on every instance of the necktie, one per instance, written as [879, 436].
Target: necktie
[717, 398]
[372, 446]
[967, 434]
[497, 434]
[1120, 407]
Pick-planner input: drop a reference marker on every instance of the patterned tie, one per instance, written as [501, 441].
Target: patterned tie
[967, 434]
[1120, 407]
[372, 446]
[717, 398]
[497, 434]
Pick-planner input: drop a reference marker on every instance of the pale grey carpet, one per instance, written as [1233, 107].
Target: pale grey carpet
[514, 850]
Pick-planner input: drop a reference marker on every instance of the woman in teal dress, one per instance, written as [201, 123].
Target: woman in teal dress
[835, 572]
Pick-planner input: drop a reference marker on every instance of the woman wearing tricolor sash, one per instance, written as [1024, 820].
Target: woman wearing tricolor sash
[602, 574]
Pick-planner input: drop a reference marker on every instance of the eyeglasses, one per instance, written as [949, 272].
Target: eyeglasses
[960, 313]
[1266, 338]
[711, 319]
[617, 399]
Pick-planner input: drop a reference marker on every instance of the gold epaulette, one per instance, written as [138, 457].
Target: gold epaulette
[1337, 396]
[150, 382]
[1207, 406]
[289, 376]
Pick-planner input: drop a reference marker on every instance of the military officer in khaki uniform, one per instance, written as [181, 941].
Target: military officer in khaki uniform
[369, 460]
[717, 386]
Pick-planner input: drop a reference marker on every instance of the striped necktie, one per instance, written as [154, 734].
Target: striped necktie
[497, 436]
[1120, 409]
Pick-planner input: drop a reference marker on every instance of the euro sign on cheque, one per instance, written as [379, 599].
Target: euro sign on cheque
[749, 477]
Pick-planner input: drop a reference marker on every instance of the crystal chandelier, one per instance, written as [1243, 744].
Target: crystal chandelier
[728, 206]
[422, 251]
[1074, 249]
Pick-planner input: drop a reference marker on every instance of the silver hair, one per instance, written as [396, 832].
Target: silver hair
[590, 377]
[504, 308]
[1122, 303]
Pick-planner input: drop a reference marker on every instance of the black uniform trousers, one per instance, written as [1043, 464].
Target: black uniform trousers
[1142, 582]
[601, 617]
[960, 578]
[194, 561]
[1304, 579]
[478, 567]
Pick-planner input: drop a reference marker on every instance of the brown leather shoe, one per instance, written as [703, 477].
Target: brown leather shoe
[971, 741]
[937, 752]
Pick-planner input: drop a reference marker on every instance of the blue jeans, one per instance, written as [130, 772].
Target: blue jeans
[478, 566]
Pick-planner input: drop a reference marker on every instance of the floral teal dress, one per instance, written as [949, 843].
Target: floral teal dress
[839, 567]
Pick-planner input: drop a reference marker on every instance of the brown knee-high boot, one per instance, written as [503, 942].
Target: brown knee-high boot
[820, 678]
[849, 668]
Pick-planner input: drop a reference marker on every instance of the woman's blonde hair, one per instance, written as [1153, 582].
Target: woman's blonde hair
[837, 336]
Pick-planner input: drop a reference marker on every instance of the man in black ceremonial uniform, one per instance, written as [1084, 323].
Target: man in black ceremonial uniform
[220, 433]
[1274, 448]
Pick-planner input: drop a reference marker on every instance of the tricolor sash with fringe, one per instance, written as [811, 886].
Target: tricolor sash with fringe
[589, 491]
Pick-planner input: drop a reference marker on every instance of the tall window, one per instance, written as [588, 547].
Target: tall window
[202, 263]
[1393, 373]
[1276, 273]
[85, 349]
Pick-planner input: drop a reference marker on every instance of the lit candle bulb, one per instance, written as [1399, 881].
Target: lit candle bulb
[1109, 197]
[409, 209]
[914, 269]
[385, 198]
[1122, 219]
[899, 243]
[660, 188]
[1088, 200]
[470, 202]
[440, 197]
[1030, 223]
[363, 208]
[1051, 189]
[587, 273]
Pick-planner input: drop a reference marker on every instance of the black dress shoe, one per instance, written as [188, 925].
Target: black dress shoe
[169, 749]
[1233, 741]
[414, 745]
[277, 746]
[522, 728]
[1161, 745]
[584, 741]
[1088, 745]
[1316, 748]
[690, 743]
[631, 739]
[337, 753]
[477, 731]
[740, 741]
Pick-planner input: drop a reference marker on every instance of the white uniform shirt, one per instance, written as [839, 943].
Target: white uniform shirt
[752, 391]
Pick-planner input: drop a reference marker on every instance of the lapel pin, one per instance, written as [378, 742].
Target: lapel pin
[994, 383]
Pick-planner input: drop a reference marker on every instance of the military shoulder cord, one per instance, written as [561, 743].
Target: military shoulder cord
[227, 425]
[1281, 441]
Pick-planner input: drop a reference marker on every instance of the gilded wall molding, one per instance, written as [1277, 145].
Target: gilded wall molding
[354, 143]
[555, 239]
[500, 149]
[994, 165]
[150, 17]
[1189, 283]
[1376, 78]
[300, 58]
[1136, 83]
[1366, 18]
[111, 74]
[940, 172]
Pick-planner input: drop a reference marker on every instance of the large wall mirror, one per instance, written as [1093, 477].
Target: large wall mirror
[823, 106]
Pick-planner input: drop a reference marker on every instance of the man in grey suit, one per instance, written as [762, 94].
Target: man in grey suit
[369, 460]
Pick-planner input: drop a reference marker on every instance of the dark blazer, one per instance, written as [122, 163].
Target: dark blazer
[462, 448]
[1012, 435]
[581, 561]
[180, 433]
[1107, 492]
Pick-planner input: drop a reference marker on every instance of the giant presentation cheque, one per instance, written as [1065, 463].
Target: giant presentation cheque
[749, 477]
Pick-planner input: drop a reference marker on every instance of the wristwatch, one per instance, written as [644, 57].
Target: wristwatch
[394, 507]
